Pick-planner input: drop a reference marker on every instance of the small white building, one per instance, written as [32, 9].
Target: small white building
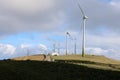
[55, 54]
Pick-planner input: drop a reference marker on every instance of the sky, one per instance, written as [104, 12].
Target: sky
[35, 25]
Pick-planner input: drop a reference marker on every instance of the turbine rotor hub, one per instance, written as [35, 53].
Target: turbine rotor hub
[85, 17]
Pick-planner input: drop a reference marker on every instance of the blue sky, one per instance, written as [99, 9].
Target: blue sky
[36, 24]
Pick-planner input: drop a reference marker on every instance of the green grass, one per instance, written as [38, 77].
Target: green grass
[92, 58]
[36, 70]
[93, 61]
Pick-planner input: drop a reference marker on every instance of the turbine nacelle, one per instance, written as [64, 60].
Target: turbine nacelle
[85, 17]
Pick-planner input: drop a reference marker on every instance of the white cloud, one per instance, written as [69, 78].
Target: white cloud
[103, 40]
[115, 4]
[31, 49]
[97, 51]
[27, 6]
[29, 15]
[10, 51]
[25, 46]
[110, 53]
[43, 47]
[7, 49]
[38, 15]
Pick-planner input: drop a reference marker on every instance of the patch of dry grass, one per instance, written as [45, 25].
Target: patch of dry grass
[33, 57]
[94, 61]
[92, 58]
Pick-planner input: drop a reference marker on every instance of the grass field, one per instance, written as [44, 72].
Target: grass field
[39, 57]
[92, 58]
[70, 67]
[93, 61]
[36, 70]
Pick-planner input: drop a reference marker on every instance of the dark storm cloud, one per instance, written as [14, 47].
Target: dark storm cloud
[39, 15]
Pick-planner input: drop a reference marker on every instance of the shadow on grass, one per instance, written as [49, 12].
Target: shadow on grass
[35, 70]
[114, 66]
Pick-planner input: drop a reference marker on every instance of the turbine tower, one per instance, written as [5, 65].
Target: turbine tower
[54, 47]
[67, 34]
[84, 22]
[58, 48]
[75, 46]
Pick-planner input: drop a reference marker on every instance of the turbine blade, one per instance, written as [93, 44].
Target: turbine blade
[78, 3]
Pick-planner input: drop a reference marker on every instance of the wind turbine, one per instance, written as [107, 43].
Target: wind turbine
[74, 40]
[67, 34]
[54, 46]
[84, 25]
[58, 48]
[75, 46]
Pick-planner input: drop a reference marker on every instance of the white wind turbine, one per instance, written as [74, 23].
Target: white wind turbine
[70, 37]
[67, 34]
[84, 22]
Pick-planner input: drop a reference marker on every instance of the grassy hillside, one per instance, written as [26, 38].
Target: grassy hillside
[39, 57]
[36, 70]
[93, 61]
[93, 58]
